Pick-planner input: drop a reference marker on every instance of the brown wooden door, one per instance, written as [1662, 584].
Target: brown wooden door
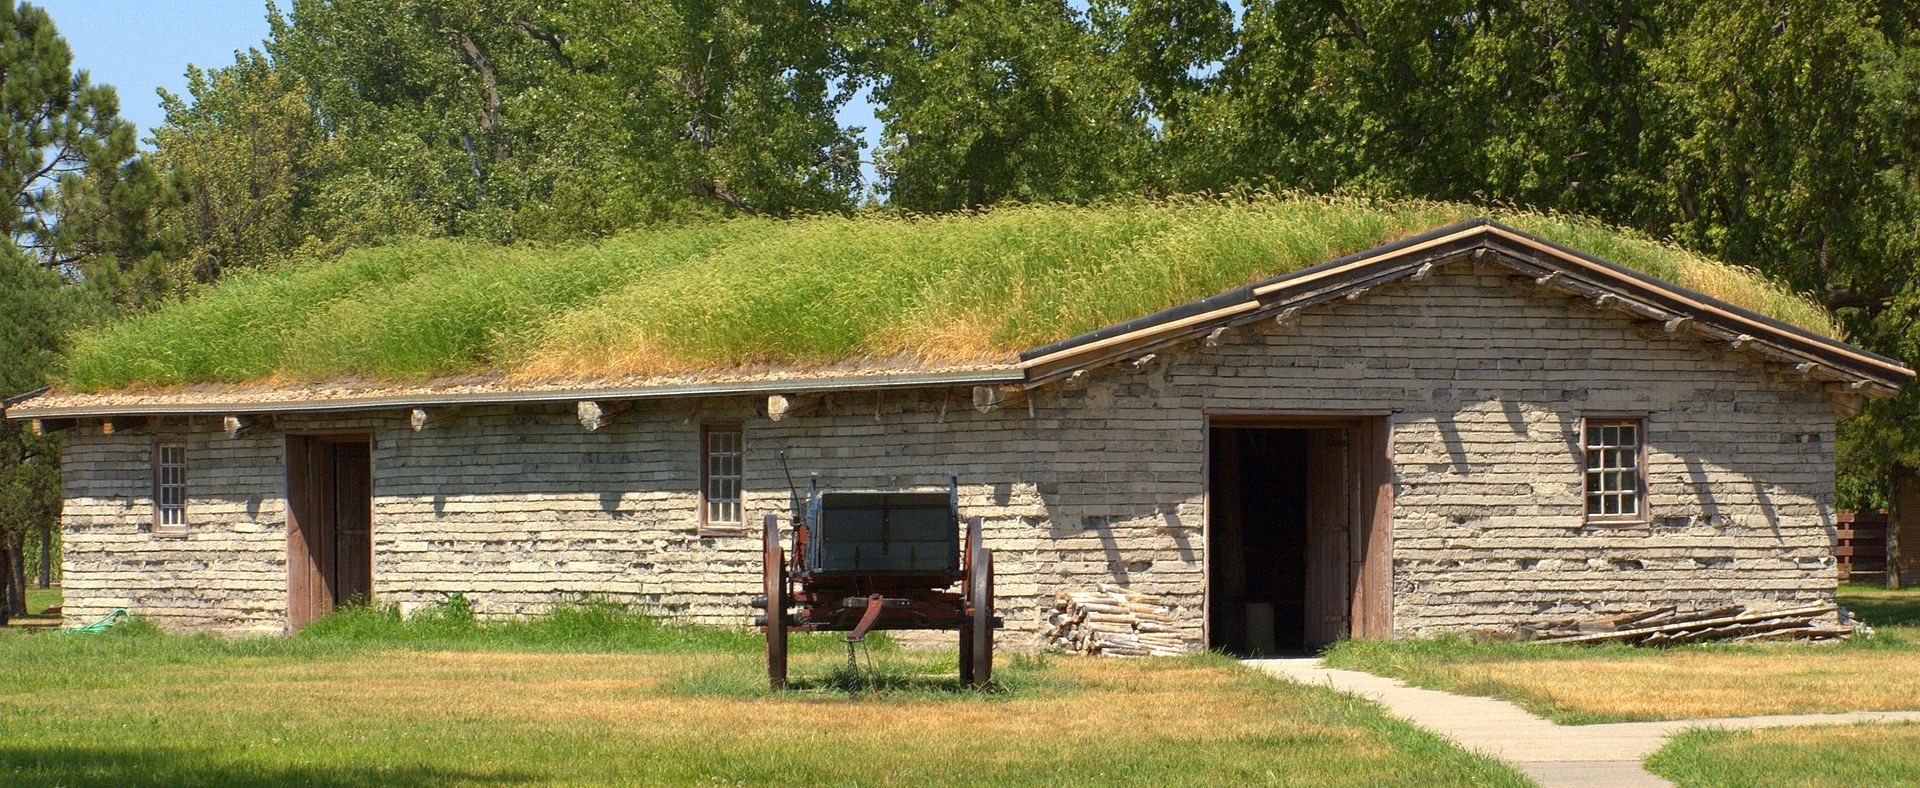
[1372, 544]
[329, 525]
[352, 523]
[1329, 514]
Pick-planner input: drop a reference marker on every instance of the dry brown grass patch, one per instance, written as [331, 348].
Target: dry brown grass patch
[1680, 685]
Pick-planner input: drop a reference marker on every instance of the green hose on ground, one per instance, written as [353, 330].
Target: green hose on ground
[105, 623]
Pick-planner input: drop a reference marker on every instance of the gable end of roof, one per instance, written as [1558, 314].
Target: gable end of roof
[1482, 241]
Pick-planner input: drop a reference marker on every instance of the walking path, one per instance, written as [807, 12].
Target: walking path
[1553, 755]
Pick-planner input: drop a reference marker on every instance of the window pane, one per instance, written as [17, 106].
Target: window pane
[723, 470]
[1612, 454]
[170, 484]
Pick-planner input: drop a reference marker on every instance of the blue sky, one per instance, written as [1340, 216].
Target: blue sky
[138, 46]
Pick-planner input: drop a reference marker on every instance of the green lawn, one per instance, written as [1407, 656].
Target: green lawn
[1610, 683]
[599, 695]
[39, 599]
[1839, 755]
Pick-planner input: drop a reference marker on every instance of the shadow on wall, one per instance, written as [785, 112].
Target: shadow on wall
[116, 766]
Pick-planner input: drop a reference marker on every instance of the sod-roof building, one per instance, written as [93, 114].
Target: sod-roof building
[1468, 427]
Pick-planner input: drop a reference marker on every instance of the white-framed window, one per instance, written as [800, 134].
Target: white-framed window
[722, 458]
[170, 486]
[1616, 482]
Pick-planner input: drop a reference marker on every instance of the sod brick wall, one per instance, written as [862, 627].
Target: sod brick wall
[1486, 381]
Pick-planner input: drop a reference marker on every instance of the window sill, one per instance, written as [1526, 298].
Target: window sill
[1617, 524]
[722, 532]
[170, 533]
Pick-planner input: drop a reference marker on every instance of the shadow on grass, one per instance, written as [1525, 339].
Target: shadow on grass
[888, 680]
[891, 674]
[1882, 608]
[103, 766]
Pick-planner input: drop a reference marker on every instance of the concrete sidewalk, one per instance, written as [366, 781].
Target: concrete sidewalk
[1553, 755]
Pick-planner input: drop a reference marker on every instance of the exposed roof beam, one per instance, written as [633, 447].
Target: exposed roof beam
[594, 415]
[240, 426]
[784, 406]
[422, 418]
[123, 425]
[51, 426]
[988, 399]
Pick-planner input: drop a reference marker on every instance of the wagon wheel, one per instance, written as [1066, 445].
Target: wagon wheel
[966, 601]
[776, 591]
[976, 641]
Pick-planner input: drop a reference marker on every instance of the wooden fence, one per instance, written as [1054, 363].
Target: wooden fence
[1860, 546]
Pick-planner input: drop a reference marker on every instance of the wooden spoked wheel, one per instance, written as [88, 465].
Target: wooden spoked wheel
[976, 640]
[776, 591]
[966, 652]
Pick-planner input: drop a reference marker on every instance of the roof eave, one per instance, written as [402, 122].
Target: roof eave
[267, 405]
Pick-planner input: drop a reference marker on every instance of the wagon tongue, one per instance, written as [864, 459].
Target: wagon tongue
[875, 604]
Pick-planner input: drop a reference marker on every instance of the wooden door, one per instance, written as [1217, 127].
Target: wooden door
[1329, 516]
[1372, 544]
[352, 511]
[329, 525]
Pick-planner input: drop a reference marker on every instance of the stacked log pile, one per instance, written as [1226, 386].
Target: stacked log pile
[1668, 626]
[1113, 621]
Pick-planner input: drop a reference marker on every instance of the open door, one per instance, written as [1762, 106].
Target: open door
[329, 524]
[1297, 533]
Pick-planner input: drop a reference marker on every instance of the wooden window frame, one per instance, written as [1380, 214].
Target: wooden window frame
[709, 527]
[160, 526]
[1641, 515]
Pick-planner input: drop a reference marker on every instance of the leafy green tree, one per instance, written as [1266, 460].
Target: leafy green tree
[254, 177]
[75, 192]
[690, 105]
[76, 212]
[36, 307]
[520, 119]
[996, 100]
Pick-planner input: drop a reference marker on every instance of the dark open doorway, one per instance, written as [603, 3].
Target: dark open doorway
[1296, 533]
[329, 524]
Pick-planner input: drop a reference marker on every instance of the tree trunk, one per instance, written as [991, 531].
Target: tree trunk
[6, 587]
[1903, 526]
[17, 575]
[46, 555]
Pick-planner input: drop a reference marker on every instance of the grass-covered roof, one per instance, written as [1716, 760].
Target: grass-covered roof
[726, 294]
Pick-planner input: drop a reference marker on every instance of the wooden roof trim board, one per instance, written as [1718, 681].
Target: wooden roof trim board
[1702, 302]
[284, 401]
[1611, 285]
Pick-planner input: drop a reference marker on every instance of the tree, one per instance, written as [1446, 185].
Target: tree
[75, 191]
[689, 105]
[517, 119]
[997, 100]
[76, 206]
[35, 307]
[253, 177]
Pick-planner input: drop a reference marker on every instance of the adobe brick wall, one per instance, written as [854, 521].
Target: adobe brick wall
[519, 507]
